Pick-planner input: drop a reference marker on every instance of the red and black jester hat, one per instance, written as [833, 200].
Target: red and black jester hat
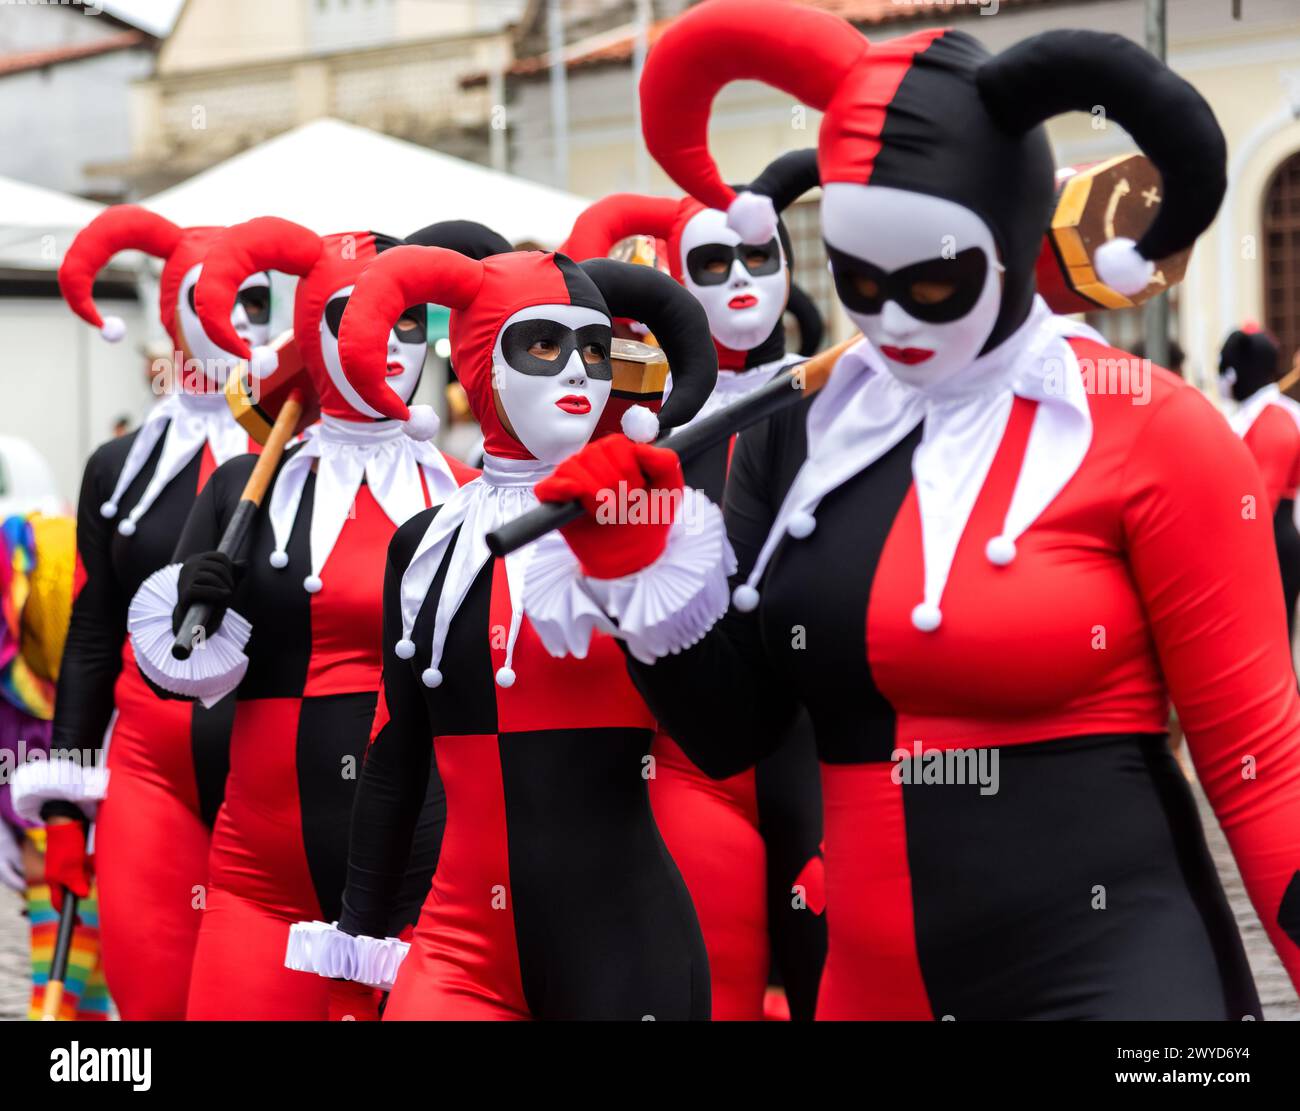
[128, 227]
[934, 112]
[483, 294]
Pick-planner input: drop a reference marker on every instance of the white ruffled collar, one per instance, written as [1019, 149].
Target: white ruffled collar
[863, 412]
[734, 385]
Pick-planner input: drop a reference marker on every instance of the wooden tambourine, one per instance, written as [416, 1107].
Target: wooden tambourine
[640, 374]
[1096, 203]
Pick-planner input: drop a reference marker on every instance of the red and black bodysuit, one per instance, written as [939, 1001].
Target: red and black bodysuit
[166, 761]
[310, 588]
[984, 576]
[1269, 422]
[748, 846]
[554, 897]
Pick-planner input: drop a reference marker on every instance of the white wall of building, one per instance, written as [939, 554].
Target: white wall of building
[63, 386]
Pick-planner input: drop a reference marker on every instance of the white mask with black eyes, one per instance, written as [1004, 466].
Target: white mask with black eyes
[742, 287]
[918, 274]
[408, 342]
[251, 319]
[551, 371]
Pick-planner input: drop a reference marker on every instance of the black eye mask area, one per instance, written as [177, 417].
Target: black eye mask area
[593, 341]
[710, 263]
[411, 327]
[937, 290]
[256, 300]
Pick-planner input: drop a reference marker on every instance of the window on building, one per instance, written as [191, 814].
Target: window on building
[1281, 220]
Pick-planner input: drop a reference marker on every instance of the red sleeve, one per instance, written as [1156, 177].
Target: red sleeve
[1274, 441]
[1203, 557]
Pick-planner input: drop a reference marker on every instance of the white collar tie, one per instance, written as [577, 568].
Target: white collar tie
[404, 476]
[503, 492]
[863, 412]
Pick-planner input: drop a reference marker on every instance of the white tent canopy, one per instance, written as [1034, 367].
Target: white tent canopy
[36, 225]
[334, 176]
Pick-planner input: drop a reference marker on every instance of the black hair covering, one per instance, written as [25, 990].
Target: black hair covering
[466, 237]
[812, 328]
[1254, 357]
[677, 320]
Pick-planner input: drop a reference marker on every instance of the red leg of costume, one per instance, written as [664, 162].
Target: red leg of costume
[151, 855]
[711, 830]
[261, 883]
[239, 968]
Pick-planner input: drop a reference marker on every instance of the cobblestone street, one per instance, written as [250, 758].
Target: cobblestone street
[1275, 989]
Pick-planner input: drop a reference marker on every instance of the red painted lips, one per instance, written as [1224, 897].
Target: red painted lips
[574, 404]
[742, 301]
[908, 356]
[394, 369]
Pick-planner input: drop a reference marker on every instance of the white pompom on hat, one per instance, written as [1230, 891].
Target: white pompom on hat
[752, 216]
[264, 361]
[640, 425]
[1121, 266]
[422, 424]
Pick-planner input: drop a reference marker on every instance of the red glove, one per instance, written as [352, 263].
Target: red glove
[351, 1002]
[67, 868]
[622, 532]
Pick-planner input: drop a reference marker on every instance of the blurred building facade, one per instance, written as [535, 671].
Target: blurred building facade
[233, 73]
[65, 80]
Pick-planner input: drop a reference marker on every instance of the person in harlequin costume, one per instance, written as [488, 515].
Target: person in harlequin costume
[745, 843]
[166, 761]
[1269, 422]
[310, 586]
[989, 561]
[554, 896]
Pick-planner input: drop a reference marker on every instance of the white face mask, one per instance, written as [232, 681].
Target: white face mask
[1227, 379]
[551, 370]
[930, 324]
[254, 296]
[405, 358]
[743, 291]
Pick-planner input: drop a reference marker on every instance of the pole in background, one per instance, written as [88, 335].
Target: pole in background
[1156, 313]
[497, 153]
[559, 93]
[640, 46]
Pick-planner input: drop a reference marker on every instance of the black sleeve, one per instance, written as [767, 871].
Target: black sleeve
[722, 700]
[92, 654]
[395, 778]
[788, 789]
[214, 507]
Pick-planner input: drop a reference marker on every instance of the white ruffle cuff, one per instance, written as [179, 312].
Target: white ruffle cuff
[660, 610]
[322, 948]
[217, 664]
[41, 780]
